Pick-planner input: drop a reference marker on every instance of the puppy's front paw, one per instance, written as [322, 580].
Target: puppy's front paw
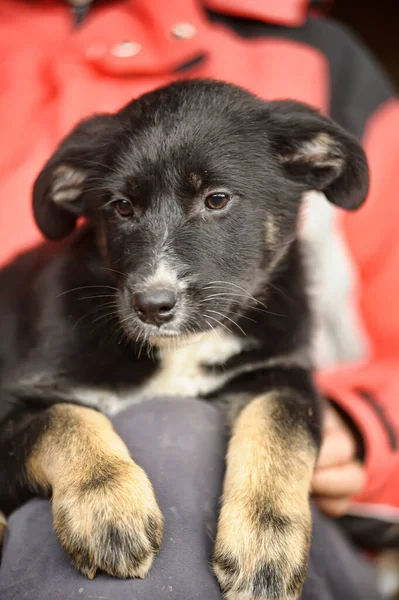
[261, 554]
[109, 521]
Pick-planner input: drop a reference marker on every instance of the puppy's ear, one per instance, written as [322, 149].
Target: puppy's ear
[318, 153]
[59, 192]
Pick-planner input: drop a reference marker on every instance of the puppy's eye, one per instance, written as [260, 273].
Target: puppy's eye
[217, 201]
[124, 207]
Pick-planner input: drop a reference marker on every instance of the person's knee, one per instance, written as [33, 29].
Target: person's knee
[176, 414]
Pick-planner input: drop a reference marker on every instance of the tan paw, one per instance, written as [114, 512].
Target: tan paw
[260, 554]
[109, 522]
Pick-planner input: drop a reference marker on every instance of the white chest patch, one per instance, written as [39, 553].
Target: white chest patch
[181, 373]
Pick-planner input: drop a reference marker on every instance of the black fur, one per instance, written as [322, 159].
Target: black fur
[66, 313]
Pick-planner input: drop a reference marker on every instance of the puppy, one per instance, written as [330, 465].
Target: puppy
[186, 279]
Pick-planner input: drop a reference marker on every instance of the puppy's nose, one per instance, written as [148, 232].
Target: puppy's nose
[155, 306]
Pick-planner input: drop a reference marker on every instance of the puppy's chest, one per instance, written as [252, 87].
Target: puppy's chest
[184, 372]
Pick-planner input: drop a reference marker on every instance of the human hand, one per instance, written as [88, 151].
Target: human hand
[338, 475]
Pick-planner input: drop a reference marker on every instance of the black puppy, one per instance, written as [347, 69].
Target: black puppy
[187, 279]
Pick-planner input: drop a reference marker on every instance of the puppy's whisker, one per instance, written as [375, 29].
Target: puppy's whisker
[113, 271]
[213, 328]
[107, 319]
[93, 311]
[86, 287]
[122, 336]
[280, 291]
[228, 318]
[227, 295]
[134, 332]
[126, 319]
[267, 312]
[93, 297]
[142, 346]
[220, 283]
[218, 322]
[210, 326]
[241, 316]
[150, 352]
[106, 305]
[113, 314]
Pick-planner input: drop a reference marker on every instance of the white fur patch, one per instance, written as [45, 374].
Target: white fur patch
[319, 151]
[165, 277]
[181, 373]
[340, 335]
[271, 232]
[68, 184]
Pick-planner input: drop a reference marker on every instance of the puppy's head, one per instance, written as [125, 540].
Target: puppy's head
[194, 191]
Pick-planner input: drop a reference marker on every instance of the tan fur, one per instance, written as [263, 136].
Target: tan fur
[271, 232]
[3, 527]
[320, 151]
[195, 180]
[105, 511]
[387, 567]
[67, 184]
[265, 515]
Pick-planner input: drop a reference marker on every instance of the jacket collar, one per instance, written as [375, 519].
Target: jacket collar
[281, 12]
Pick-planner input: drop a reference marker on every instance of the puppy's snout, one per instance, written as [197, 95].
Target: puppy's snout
[155, 306]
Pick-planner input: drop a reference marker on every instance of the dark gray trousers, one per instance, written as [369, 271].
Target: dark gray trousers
[180, 443]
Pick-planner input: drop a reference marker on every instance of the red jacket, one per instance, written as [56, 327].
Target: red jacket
[52, 75]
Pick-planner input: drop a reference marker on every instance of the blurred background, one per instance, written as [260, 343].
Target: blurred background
[377, 23]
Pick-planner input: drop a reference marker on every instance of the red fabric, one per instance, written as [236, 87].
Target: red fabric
[52, 76]
[381, 379]
[372, 234]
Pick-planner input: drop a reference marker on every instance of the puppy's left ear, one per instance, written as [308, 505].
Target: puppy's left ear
[61, 190]
[318, 153]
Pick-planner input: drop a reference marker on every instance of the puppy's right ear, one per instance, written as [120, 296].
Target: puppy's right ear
[59, 192]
